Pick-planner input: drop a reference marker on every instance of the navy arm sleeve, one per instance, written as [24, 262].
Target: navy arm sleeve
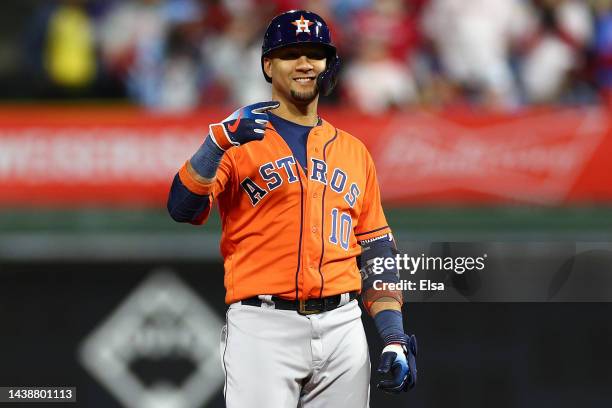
[377, 248]
[388, 321]
[183, 205]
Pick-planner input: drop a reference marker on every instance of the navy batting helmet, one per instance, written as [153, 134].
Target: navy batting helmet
[303, 27]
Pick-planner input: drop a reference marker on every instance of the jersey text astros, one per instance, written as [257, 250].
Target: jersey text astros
[332, 206]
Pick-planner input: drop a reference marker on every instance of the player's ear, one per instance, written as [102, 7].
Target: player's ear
[267, 65]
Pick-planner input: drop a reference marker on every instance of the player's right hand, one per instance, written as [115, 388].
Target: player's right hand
[244, 125]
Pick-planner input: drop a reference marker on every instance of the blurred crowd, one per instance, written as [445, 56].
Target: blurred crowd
[182, 54]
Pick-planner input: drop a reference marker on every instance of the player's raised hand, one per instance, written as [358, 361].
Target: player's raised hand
[244, 125]
[398, 365]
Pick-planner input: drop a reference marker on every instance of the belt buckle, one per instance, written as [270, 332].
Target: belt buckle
[302, 308]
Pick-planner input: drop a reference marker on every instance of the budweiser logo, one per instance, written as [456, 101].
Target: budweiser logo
[531, 159]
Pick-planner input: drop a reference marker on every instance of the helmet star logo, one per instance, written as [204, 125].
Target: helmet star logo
[302, 25]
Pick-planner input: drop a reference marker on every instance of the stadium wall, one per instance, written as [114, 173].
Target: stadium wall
[124, 157]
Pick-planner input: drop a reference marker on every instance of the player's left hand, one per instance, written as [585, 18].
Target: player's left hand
[398, 364]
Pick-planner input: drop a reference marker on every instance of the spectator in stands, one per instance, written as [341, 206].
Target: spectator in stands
[234, 56]
[383, 39]
[61, 49]
[183, 76]
[375, 82]
[555, 48]
[472, 40]
[602, 48]
[179, 54]
[392, 22]
[135, 43]
[344, 10]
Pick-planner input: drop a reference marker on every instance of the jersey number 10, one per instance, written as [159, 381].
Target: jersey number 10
[341, 229]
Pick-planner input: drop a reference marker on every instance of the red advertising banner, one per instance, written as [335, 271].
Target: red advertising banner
[75, 156]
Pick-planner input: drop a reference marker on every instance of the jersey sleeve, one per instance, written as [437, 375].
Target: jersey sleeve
[212, 190]
[371, 222]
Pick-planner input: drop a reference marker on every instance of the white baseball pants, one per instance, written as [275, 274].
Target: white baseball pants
[281, 359]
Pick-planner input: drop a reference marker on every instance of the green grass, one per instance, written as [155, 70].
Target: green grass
[502, 219]
[90, 220]
[413, 220]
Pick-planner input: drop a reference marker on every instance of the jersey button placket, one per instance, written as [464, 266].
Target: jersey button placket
[313, 212]
[306, 260]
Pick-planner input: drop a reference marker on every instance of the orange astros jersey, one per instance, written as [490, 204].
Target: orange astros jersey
[291, 234]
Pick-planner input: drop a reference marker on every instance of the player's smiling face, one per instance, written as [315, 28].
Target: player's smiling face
[294, 71]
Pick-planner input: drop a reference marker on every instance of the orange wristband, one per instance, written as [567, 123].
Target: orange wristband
[192, 184]
[220, 137]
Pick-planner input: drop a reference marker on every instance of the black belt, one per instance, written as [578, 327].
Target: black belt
[303, 307]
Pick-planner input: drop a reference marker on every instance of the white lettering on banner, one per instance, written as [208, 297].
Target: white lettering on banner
[42, 155]
[9, 153]
[533, 159]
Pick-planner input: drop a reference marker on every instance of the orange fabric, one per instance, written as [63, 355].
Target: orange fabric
[277, 235]
[192, 184]
[220, 137]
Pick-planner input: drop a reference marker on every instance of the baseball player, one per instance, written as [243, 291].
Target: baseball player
[302, 222]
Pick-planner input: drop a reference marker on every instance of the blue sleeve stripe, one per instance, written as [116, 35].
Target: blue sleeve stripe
[374, 230]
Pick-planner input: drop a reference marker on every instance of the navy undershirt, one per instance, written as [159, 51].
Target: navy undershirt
[294, 135]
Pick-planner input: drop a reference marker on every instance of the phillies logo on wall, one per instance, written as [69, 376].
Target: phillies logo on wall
[302, 25]
[534, 159]
[159, 348]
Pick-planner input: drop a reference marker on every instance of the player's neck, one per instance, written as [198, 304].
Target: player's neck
[305, 115]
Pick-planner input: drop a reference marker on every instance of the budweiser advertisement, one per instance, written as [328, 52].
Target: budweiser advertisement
[79, 156]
